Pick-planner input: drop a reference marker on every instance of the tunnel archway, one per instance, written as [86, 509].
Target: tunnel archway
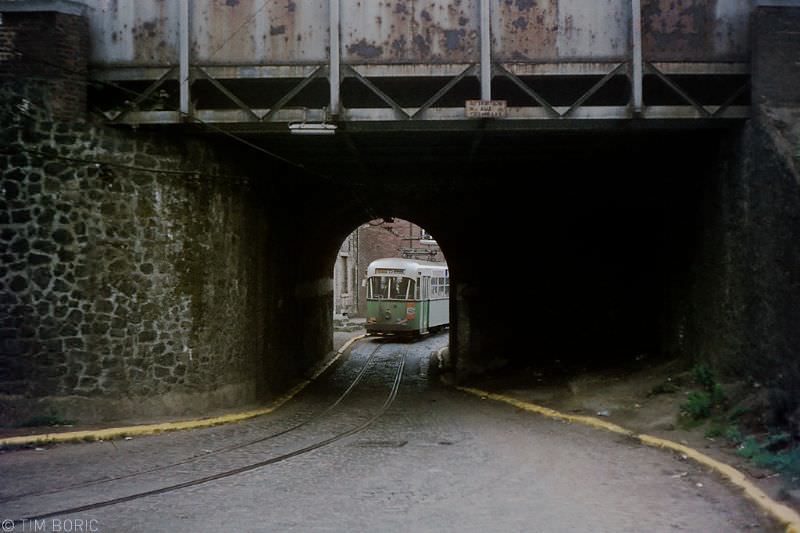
[562, 245]
[371, 240]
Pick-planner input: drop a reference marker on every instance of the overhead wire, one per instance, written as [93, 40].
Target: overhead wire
[99, 163]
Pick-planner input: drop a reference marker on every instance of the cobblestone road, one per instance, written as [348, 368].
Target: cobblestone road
[437, 460]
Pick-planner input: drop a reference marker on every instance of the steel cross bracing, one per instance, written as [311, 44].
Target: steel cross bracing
[411, 95]
[290, 108]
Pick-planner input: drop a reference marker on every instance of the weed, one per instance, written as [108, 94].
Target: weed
[777, 441]
[738, 412]
[749, 448]
[700, 404]
[786, 462]
[704, 377]
[714, 430]
[734, 435]
[697, 406]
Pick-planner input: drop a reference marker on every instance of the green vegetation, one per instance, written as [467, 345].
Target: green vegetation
[704, 377]
[778, 451]
[786, 460]
[702, 404]
[733, 434]
[698, 405]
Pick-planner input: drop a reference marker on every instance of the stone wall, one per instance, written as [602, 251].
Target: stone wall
[135, 286]
[735, 298]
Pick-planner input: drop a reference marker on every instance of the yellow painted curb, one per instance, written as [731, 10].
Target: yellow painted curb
[152, 429]
[787, 517]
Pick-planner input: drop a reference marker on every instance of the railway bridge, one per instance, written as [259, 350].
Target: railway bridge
[606, 179]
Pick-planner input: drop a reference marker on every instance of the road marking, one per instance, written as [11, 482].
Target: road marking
[786, 516]
[198, 423]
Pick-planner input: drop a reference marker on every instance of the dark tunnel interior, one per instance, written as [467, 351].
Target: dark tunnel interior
[574, 247]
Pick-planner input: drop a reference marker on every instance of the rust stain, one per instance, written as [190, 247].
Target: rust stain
[400, 8]
[399, 46]
[422, 46]
[149, 28]
[520, 24]
[454, 39]
[148, 37]
[528, 30]
[413, 30]
[678, 30]
[365, 50]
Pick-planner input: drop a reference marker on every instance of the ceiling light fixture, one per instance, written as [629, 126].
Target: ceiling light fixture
[307, 128]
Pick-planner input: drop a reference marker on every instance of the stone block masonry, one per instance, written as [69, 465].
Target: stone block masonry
[124, 292]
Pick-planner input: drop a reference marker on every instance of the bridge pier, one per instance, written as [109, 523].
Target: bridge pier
[734, 300]
[138, 269]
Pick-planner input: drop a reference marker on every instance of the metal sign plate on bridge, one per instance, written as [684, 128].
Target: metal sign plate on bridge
[486, 108]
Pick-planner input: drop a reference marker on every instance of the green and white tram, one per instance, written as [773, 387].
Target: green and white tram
[407, 296]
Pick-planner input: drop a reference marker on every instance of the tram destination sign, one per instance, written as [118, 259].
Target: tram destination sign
[389, 271]
[486, 108]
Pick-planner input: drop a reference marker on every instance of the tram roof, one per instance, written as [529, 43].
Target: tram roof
[405, 264]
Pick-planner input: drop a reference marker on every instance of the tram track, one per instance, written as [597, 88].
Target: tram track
[252, 466]
[314, 417]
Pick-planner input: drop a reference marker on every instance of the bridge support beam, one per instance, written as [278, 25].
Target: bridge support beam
[334, 73]
[637, 64]
[184, 75]
[486, 50]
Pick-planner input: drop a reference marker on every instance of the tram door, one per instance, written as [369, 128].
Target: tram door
[424, 304]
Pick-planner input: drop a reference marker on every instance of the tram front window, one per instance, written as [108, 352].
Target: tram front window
[391, 288]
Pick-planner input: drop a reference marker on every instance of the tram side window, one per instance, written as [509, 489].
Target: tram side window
[440, 287]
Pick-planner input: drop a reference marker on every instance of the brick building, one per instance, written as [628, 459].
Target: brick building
[374, 240]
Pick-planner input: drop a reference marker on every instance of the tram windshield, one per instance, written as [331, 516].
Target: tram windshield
[391, 288]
